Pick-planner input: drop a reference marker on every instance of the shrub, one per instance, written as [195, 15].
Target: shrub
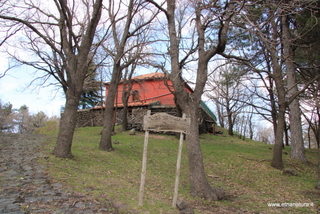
[50, 126]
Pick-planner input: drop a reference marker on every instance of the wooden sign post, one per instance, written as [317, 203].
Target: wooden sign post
[163, 122]
[144, 164]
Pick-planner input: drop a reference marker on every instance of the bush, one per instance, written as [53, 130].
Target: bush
[51, 125]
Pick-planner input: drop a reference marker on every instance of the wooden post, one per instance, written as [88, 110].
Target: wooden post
[176, 185]
[144, 165]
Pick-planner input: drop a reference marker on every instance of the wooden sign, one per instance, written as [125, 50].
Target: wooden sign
[163, 122]
[166, 122]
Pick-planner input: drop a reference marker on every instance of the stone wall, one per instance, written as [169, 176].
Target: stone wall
[90, 117]
[94, 117]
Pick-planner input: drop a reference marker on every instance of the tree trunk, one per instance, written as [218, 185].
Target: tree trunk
[125, 98]
[318, 138]
[68, 120]
[286, 134]
[277, 150]
[219, 112]
[76, 65]
[124, 125]
[297, 144]
[271, 90]
[317, 134]
[316, 127]
[318, 184]
[105, 142]
[251, 126]
[199, 184]
[277, 161]
[190, 102]
[230, 121]
[120, 38]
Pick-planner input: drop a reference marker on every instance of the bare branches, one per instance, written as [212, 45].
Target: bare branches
[159, 6]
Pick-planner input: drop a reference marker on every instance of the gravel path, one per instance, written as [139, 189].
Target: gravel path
[25, 187]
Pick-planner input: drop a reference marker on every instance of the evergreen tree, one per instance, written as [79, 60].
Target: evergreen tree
[6, 117]
[91, 94]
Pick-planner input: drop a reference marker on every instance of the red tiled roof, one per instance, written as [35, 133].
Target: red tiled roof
[149, 76]
[155, 75]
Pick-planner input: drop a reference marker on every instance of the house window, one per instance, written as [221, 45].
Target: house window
[135, 95]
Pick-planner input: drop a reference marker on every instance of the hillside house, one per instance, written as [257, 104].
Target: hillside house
[149, 91]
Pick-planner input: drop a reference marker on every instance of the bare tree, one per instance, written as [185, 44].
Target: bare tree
[203, 15]
[134, 58]
[26, 122]
[311, 113]
[126, 93]
[265, 134]
[227, 89]
[59, 35]
[126, 25]
[220, 110]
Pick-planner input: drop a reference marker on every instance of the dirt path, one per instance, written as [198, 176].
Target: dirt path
[25, 187]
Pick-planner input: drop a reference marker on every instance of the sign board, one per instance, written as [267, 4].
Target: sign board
[166, 122]
[163, 122]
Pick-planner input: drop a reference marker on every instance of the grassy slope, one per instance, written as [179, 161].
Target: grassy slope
[242, 168]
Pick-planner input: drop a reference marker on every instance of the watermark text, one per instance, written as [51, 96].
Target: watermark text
[291, 204]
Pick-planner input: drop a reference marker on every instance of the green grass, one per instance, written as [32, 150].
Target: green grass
[241, 168]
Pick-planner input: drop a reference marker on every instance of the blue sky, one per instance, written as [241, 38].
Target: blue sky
[14, 89]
